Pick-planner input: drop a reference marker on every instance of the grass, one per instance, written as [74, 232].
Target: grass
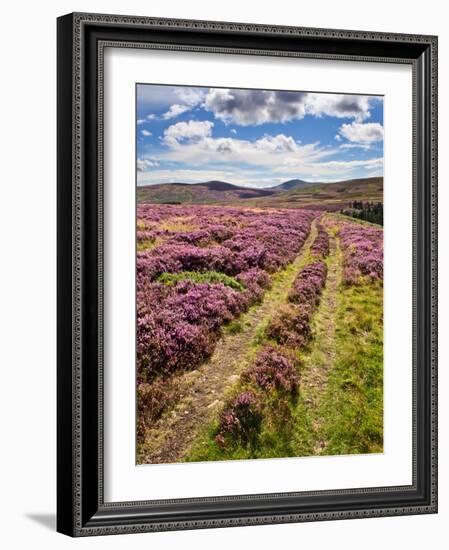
[276, 436]
[353, 404]
[273, 441]
[212, 277]
[339, 409]
[187, 431]
[345, 217]
[146, 244]
[278, 409]
[179, 224]
[233, 327]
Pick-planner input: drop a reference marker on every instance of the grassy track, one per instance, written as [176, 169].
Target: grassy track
[353, 403]
[200, 393]
[339, 409]
[318, 362]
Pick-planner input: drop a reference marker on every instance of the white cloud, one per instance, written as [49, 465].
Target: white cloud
[192, 130]
[246, 178]
[191, 96]
[274, 155]
[146, 133]
[364, 146]
[338, 105]
[261, 177]
[362, 133]
[345, 164]
[151, 116]
[233, 131]
[144, 164]
[279, 143]
[337, 137]
[192, 143]
[141, 121]
[335, 170]
[247, 107]
[175, 110]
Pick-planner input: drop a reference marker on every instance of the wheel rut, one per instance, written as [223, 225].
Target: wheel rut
[201, 392]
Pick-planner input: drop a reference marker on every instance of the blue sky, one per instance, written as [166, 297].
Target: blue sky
[255, 138]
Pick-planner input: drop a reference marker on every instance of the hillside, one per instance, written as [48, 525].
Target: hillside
[210, 192]
[324, 196]
[293, 184]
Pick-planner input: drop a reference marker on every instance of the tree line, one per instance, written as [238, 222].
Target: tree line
[369, 211]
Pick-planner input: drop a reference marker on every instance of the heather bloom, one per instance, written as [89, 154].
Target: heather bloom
[320, 246]
[308, 284]
[204, 268]
[240, 421]
[290, 326]
[273, 370]
[362, 247]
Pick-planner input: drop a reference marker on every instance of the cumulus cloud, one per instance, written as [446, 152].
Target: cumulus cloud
[140, 121]
[246, 107]
[144, 164]
[146, 133]
[362, 133]
[192, 144]
[190, 96]
[338, 105]
[175, 110]
[192, 130]
[279, 143]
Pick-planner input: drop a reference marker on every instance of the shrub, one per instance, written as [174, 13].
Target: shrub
[204, 268]
[240, 421]
[152, 400]
[362, 247]
[290, 326]
[320, 246]
[308, 284]
[273, 370]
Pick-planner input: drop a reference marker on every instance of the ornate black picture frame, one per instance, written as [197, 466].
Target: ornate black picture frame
[81, 510]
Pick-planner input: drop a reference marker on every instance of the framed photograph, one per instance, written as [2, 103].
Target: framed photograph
[247, 277]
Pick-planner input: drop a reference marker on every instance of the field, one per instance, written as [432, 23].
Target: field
[259, 328]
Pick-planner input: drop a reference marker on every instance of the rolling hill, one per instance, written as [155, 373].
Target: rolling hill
[293, 184]
[209, 192]
[290, 194]
[326, 196]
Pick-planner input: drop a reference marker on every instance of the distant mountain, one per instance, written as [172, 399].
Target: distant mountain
[293, 184]
[216, 185]
[326, 196]
[290, 194]
[209, 192]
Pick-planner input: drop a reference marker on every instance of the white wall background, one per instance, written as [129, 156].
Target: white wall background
[27, 274]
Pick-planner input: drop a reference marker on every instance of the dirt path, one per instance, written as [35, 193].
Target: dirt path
[321, 358]
[201, 391]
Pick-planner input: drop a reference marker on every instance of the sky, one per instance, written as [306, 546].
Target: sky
[255, 138]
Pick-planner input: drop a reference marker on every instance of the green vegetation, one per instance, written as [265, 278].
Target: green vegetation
[212, 277]
[369, 211]
[339, 407]
[353, 404]
[146, 244]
